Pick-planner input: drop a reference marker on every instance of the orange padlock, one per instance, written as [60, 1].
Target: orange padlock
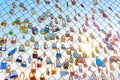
[13, 41]
[42, 77]
[33, 67]
[53, 68]
[32, 76]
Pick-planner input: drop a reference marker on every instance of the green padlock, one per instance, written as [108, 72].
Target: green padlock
[10, 32]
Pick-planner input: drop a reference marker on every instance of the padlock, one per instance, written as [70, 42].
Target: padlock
[76, 76]
[92, 36]
[26, 21]
[58, 63]
[39, 64]
[42, 31]
[33, 11]
[84, 75]
[54, 46]
[3, 64]
[80, 32]
[36, 45]
[10, 58]
[29, 60]
[7, 69]
[85, 54]
[73, 2]
[22, 76]
[42, 77]
[63, 38]
[4, 23]
[48, 60]
[58, 54]
[93, 54]
[23, 64]
[97, 50]
[80, 69]
[17, 21]
[68, 51]
[10, 32]
[100, 45]
[13, 5]
[13, 74]
[47, 2]
[4, 39]
[65, 64]
[33, 67]
[63, 72]
[13, 41]
[45, 45]
[32, 76]
[19, 59]
[85, 65]
[21, 48]
[83, 28]
[27, 43]
[56, 21]
[35, 30]
[72, 71]
[63, 23]
[67, 34]
[71, 29]
[71, 38]
[47, 71]
[35, 55]
[68, 19]
[53, 69]
[11, 11]
[21, 5]
[75, 54]
[63, 47]
[95, 2]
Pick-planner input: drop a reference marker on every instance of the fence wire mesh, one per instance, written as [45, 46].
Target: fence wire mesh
[59, 40]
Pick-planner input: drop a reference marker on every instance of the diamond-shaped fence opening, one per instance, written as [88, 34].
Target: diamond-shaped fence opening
[59, 40]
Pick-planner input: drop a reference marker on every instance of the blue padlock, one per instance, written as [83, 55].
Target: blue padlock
[3, 64]
[19, 59]
[34, 30]
[23, 64]
[58, 54]
[13, 74]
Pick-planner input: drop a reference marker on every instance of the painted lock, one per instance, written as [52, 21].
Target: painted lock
[13, 41]
[58, 63]
[19, 59]
[58, 54]
[23, 64]
[35, 55]
[73, 2]
[47, 71]
[3, 64]
[62, 38]
[27, 43]
[4, 39]
[34, 30]
[22, 48]
[10, 58]
[42, 77]
[39, 64]
[4, 23]
[13, 74]
[53, 69]
[48, 60]
[72, 71]
[7, 69]
[68, 51]
[32, 76]
[33, 67]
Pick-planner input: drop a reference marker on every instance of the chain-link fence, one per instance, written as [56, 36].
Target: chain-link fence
[59, 40]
